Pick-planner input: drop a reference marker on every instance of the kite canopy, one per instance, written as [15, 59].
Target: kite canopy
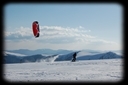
[35, 29]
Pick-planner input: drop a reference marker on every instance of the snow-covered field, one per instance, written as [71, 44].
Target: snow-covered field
[104, 70]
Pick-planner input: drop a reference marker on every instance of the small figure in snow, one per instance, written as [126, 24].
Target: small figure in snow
[74, 57]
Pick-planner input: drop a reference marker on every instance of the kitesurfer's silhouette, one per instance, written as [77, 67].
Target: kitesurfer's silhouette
[74, 57]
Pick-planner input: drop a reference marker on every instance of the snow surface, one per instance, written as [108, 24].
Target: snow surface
[105, 70]
[89, 67]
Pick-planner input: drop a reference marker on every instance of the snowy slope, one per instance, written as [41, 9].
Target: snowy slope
[106, 70]
[10, 57]
[107, 55]
[15, 54]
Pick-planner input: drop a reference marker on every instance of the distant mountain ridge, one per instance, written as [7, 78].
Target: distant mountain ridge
[50, 51]
[11, 58]
[40, 51]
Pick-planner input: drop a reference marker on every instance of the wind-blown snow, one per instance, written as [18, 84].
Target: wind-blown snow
[107, 70]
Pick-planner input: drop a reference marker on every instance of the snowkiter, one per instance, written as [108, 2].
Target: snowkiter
[74, 57]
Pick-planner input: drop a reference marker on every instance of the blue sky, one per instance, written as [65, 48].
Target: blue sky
[64, 26]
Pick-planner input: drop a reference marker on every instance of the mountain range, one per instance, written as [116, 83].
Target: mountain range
[55, 55]
[51, 51]
[40, 51]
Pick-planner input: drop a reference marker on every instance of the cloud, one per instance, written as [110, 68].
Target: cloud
[19, 34]
[57, 37]
[57, 34]
[52, 33]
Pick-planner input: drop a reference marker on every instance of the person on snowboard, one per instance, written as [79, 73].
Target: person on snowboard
[74, 57]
